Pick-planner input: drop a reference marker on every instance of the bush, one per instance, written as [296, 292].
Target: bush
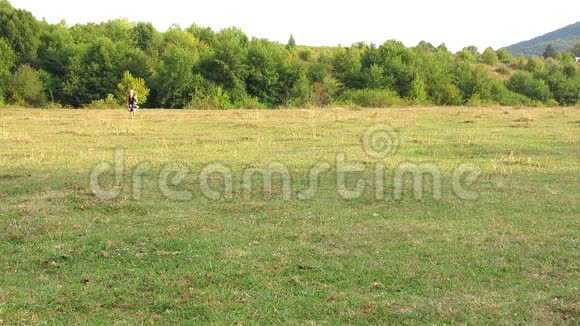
[418, 93]
[108, 103]
[249, 103]
[323, 92]
[477, 100]
[510, 98]
[505, 56]
[54, 106]
[466, 56]
[27, 87]
[137, 84]
[7, 59]
[534, 65]
[305, 55]
[371, 98]
[452, 95]
[489, 57]
[567, 90]
[213, 98]
[524, 83]
[503, 70]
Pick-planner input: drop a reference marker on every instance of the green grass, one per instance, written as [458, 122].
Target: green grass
[509, 257]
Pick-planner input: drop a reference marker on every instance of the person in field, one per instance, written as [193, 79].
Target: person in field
[132, 102]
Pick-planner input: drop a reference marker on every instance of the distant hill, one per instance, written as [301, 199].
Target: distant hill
[563, 39]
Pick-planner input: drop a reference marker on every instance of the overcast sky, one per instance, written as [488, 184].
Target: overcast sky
[457, 23]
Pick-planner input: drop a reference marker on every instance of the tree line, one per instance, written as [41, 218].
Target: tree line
[91, 65]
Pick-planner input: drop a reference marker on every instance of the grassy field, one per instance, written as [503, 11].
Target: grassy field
[510, 256]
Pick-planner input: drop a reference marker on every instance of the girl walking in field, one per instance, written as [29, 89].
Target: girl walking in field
[132, 102]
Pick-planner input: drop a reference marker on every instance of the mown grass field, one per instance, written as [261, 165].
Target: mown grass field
[511, 256]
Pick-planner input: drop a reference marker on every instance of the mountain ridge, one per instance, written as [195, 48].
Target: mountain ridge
[562, 39]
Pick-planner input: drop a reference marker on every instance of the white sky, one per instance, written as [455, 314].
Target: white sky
[457, 23]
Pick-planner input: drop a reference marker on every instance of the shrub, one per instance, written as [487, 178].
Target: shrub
[510, 98]
[504, 56]
[477, 100]
[249, 103]
[323, 92]
[7, 60]
[305, 55]
[489, 57]
[567, 90]
[108, 103]
[452, 95]
[213, 98]
[519, 63]
[524, 83]
[418, 94]
[466, 56]
[503, 70]
[27, 87]
[54, 106]
[137, 84]
[534, 65]
[371, 98]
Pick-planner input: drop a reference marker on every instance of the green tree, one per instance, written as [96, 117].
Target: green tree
[524, 83]
[505, 56]
[174, 78]
[318, 72]
[397, 62]
[438, 71]
[347, 66]
[305, 55]
[21, 30]
[203, 34]
[550, 52]
[426, 46]
[489, 57]
[176, 37]
[7, 61]
[296, 88]
[564, 81]
[226, 65]
[418, 90]
[374, 77]
[466, 56]
[576, 49]
[56, 49]
[566, 90]
[143, 35]
[117, 30]
[534, 65]
[263, 78]
[442, 48]
[27, 87]
[474, 50]
[94, 70]
[291, 43]
[451, 95]
[130, 82]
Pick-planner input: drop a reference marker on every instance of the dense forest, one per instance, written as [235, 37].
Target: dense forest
[54, 65]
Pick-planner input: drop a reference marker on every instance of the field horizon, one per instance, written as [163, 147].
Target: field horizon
[437, 215]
